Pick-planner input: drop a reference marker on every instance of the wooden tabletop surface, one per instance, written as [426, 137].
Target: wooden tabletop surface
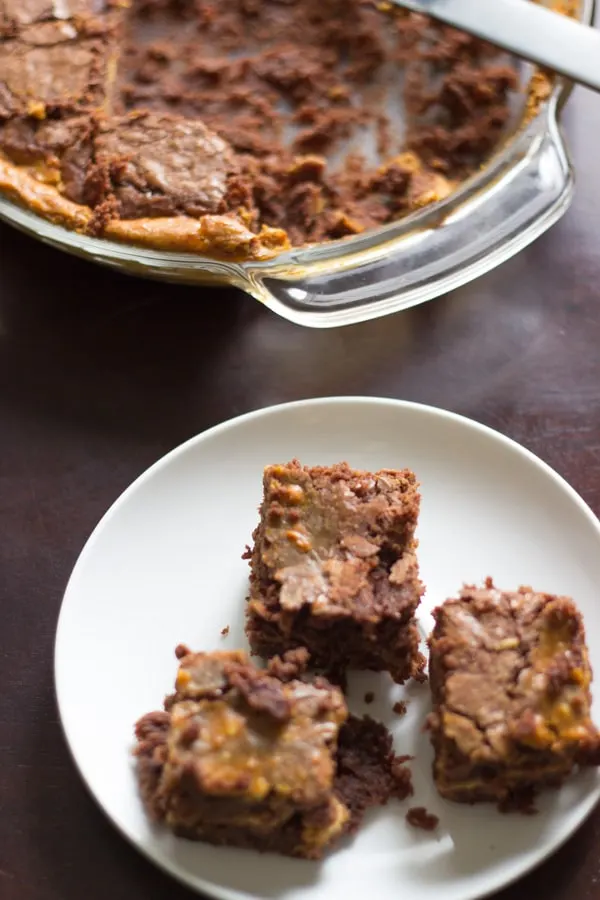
[100, 375]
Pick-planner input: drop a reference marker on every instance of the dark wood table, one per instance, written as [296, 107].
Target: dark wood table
[100, 375]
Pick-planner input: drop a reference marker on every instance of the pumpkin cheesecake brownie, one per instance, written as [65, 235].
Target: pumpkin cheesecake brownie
[510, 681]
[334, 568]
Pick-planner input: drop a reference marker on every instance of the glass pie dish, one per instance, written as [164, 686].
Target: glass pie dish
[523, 189]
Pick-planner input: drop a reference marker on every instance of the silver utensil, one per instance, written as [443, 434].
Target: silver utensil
[526, 29]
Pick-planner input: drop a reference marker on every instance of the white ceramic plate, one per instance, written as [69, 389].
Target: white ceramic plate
[164, 566]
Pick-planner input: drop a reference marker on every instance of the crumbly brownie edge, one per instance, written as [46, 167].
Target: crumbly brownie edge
[22, 188]
[285, 841]
[369, 774]
[223, 238]
[344, 646]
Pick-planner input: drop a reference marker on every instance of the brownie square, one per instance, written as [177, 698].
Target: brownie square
[155, 164]
[54, 77]
[334, 569]
[57, 150]
[14, 14]
[53, 68]
[510, 682]
[243, 758]
[261, 758]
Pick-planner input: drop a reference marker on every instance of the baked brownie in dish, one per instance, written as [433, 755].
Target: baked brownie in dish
[510, 681]
[56, 75]
[334, 568]
[250, 758]
[14, 14]
[242, 128]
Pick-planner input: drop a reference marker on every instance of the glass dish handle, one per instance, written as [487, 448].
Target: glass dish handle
[485, 226]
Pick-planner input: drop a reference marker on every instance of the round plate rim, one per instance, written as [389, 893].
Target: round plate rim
[162, 862]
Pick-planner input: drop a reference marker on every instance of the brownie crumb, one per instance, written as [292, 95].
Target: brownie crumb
[225, 631]
[369, 773]
[519, 801]
[265, 696]
[369, 697]
[182, 650]
[418, 817]
[290, 665]
[399, 708]
[419, 673]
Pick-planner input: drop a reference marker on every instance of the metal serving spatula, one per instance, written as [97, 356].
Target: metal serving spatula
[526, 29]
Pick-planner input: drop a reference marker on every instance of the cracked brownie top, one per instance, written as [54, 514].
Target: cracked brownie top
[509, 675]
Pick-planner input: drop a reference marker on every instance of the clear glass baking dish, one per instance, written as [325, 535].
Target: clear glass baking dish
[523, 190]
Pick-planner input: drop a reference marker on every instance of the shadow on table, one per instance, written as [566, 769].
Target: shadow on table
[82, 343]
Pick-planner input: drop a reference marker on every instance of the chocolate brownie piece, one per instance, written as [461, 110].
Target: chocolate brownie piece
[368, 771]
[510, 681]
[58, 150]
[262, 760]
[418, 817]
[14, 14]
[244, 759]
[155, 164]
[53, 68]
[334, 568]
